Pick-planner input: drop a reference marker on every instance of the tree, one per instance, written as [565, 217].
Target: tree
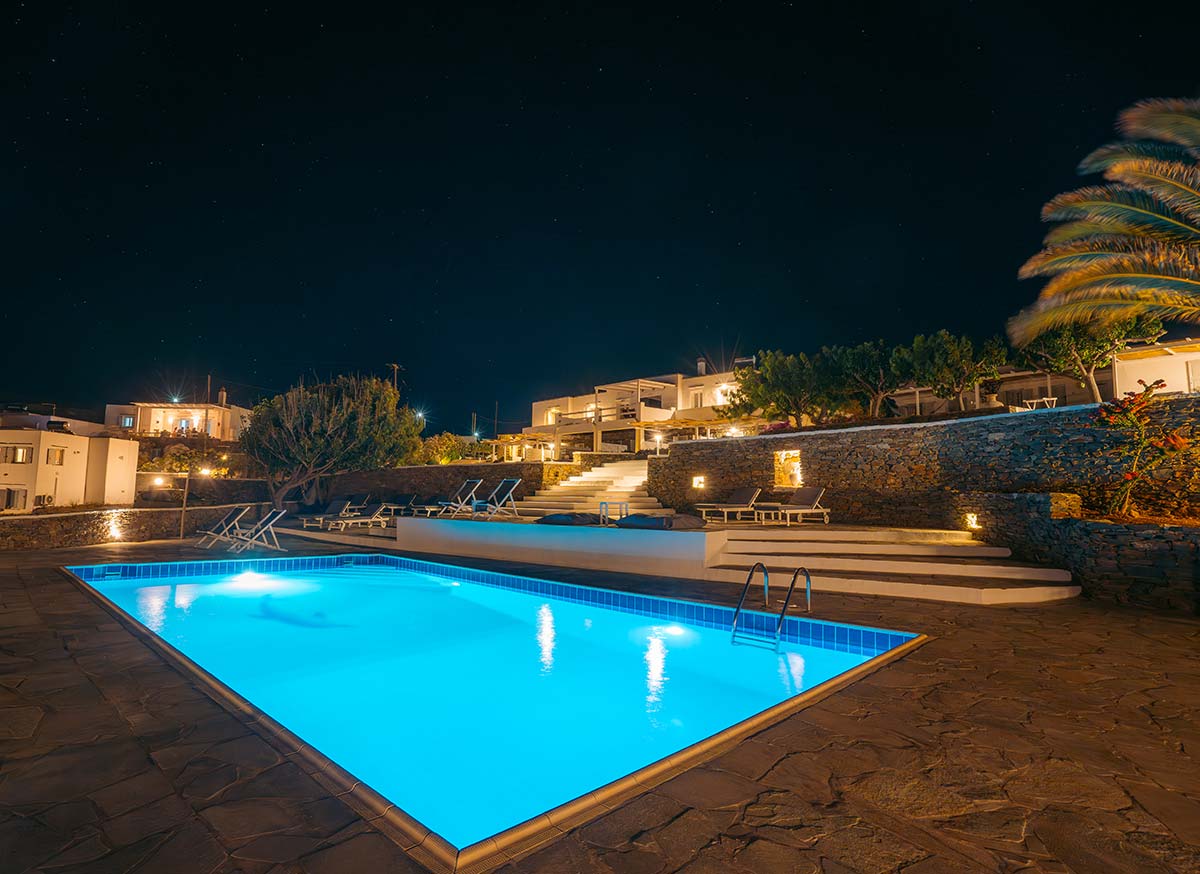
[948, 364]
[1130, 248]
[1145, 444]
[864, 371]
[349, 423]
[446, 448]
[1078, 351]
[788, 386]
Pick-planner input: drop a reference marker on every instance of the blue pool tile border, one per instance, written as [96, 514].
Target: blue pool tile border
[838, 636]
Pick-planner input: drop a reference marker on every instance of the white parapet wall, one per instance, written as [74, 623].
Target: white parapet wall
[657, 553]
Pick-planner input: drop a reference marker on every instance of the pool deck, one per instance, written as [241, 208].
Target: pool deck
[1054, 738]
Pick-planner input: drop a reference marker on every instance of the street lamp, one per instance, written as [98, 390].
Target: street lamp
[658, 444]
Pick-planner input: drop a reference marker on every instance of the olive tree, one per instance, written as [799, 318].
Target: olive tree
[310, 431]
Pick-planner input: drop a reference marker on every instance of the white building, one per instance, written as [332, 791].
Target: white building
[42, 468]
[20, 417]
[625, 414]
[220, 421]
[1177, 362]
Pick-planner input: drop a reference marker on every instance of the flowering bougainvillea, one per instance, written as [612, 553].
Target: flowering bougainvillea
[1145, 445]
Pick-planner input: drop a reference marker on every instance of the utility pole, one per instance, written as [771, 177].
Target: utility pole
[474, 430]
[496, 421]
[395, 375]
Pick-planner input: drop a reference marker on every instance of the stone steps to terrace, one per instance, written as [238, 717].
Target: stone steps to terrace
[907, 563]
[619, 481]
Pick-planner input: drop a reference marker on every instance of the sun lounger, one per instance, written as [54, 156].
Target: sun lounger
[333, 510]
[401, 505]
[462, 500]
[430, 506]
[803, 503]
[357, 502]
[262, 534]
[223, 529]
[739, 502]
[372, 515]
[500, 502]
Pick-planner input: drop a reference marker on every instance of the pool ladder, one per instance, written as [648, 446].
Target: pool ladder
[787, 599]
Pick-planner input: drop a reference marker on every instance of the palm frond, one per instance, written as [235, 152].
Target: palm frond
[1170, 120]
[1173, 268]
[1082, 230]
[1078, 253]
[1135, 150]
[1125, 207]
[1100, 308]
[1172, 183]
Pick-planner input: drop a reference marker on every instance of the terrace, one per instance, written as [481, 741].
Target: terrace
[1049, 737]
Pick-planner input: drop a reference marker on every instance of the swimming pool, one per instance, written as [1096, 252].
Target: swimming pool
[472, 700]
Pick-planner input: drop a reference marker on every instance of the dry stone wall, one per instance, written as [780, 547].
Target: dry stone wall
[908, 474]
[91, 527]
[1147, 565]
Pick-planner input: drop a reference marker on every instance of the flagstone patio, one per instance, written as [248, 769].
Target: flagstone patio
[1059, 738]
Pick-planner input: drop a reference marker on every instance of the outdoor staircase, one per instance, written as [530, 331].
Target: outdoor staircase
[582, 493]
[899, 562]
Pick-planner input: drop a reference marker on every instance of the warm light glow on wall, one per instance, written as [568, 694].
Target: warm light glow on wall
[698, 482]
[788, 471]
[114, 528]
[721, 394]
[973, 521]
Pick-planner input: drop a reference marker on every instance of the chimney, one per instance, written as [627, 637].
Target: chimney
[701, 367]
[221, 397]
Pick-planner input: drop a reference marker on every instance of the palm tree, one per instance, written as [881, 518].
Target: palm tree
[1130, 248]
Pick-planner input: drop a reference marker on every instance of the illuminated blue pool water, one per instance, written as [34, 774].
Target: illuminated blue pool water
[473, 701]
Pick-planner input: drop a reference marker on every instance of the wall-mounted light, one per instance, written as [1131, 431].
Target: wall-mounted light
[114, 529]
[973, 522]
[698, 482]
[204, 471]
[158, 480]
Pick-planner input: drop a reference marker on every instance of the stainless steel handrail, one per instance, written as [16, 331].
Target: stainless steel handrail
[788, 597]
[745, 589]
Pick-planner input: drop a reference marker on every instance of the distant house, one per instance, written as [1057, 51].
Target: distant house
[53, 467]
[628, 414]
[23, 417]
[1177, 362]
[220, 421]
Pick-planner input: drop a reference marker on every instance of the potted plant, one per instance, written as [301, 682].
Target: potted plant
[991, 388]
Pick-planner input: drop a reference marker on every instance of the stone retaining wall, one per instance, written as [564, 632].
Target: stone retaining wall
[444, 479]
[1148, 565]
[91, 527]
[907, 474]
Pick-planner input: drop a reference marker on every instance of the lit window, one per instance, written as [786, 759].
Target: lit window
[698, 482]
[16, 454]
[56, 455]
[127, 421]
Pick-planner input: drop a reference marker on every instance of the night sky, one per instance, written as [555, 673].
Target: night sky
[516, 205]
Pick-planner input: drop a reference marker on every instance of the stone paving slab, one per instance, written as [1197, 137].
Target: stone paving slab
[1059, 738]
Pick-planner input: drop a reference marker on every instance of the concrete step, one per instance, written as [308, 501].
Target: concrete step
[851, 547]
[533, 512]
[960, 590]
[566, 504]
[858, 533]
[929, 566]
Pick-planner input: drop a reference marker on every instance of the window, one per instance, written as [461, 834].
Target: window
[697, 398]
[56, 455]
[12, 454]
[13, 499]
[127, 421]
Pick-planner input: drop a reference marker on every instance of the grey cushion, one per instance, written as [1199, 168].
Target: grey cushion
[647, 522]
[570, 519]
